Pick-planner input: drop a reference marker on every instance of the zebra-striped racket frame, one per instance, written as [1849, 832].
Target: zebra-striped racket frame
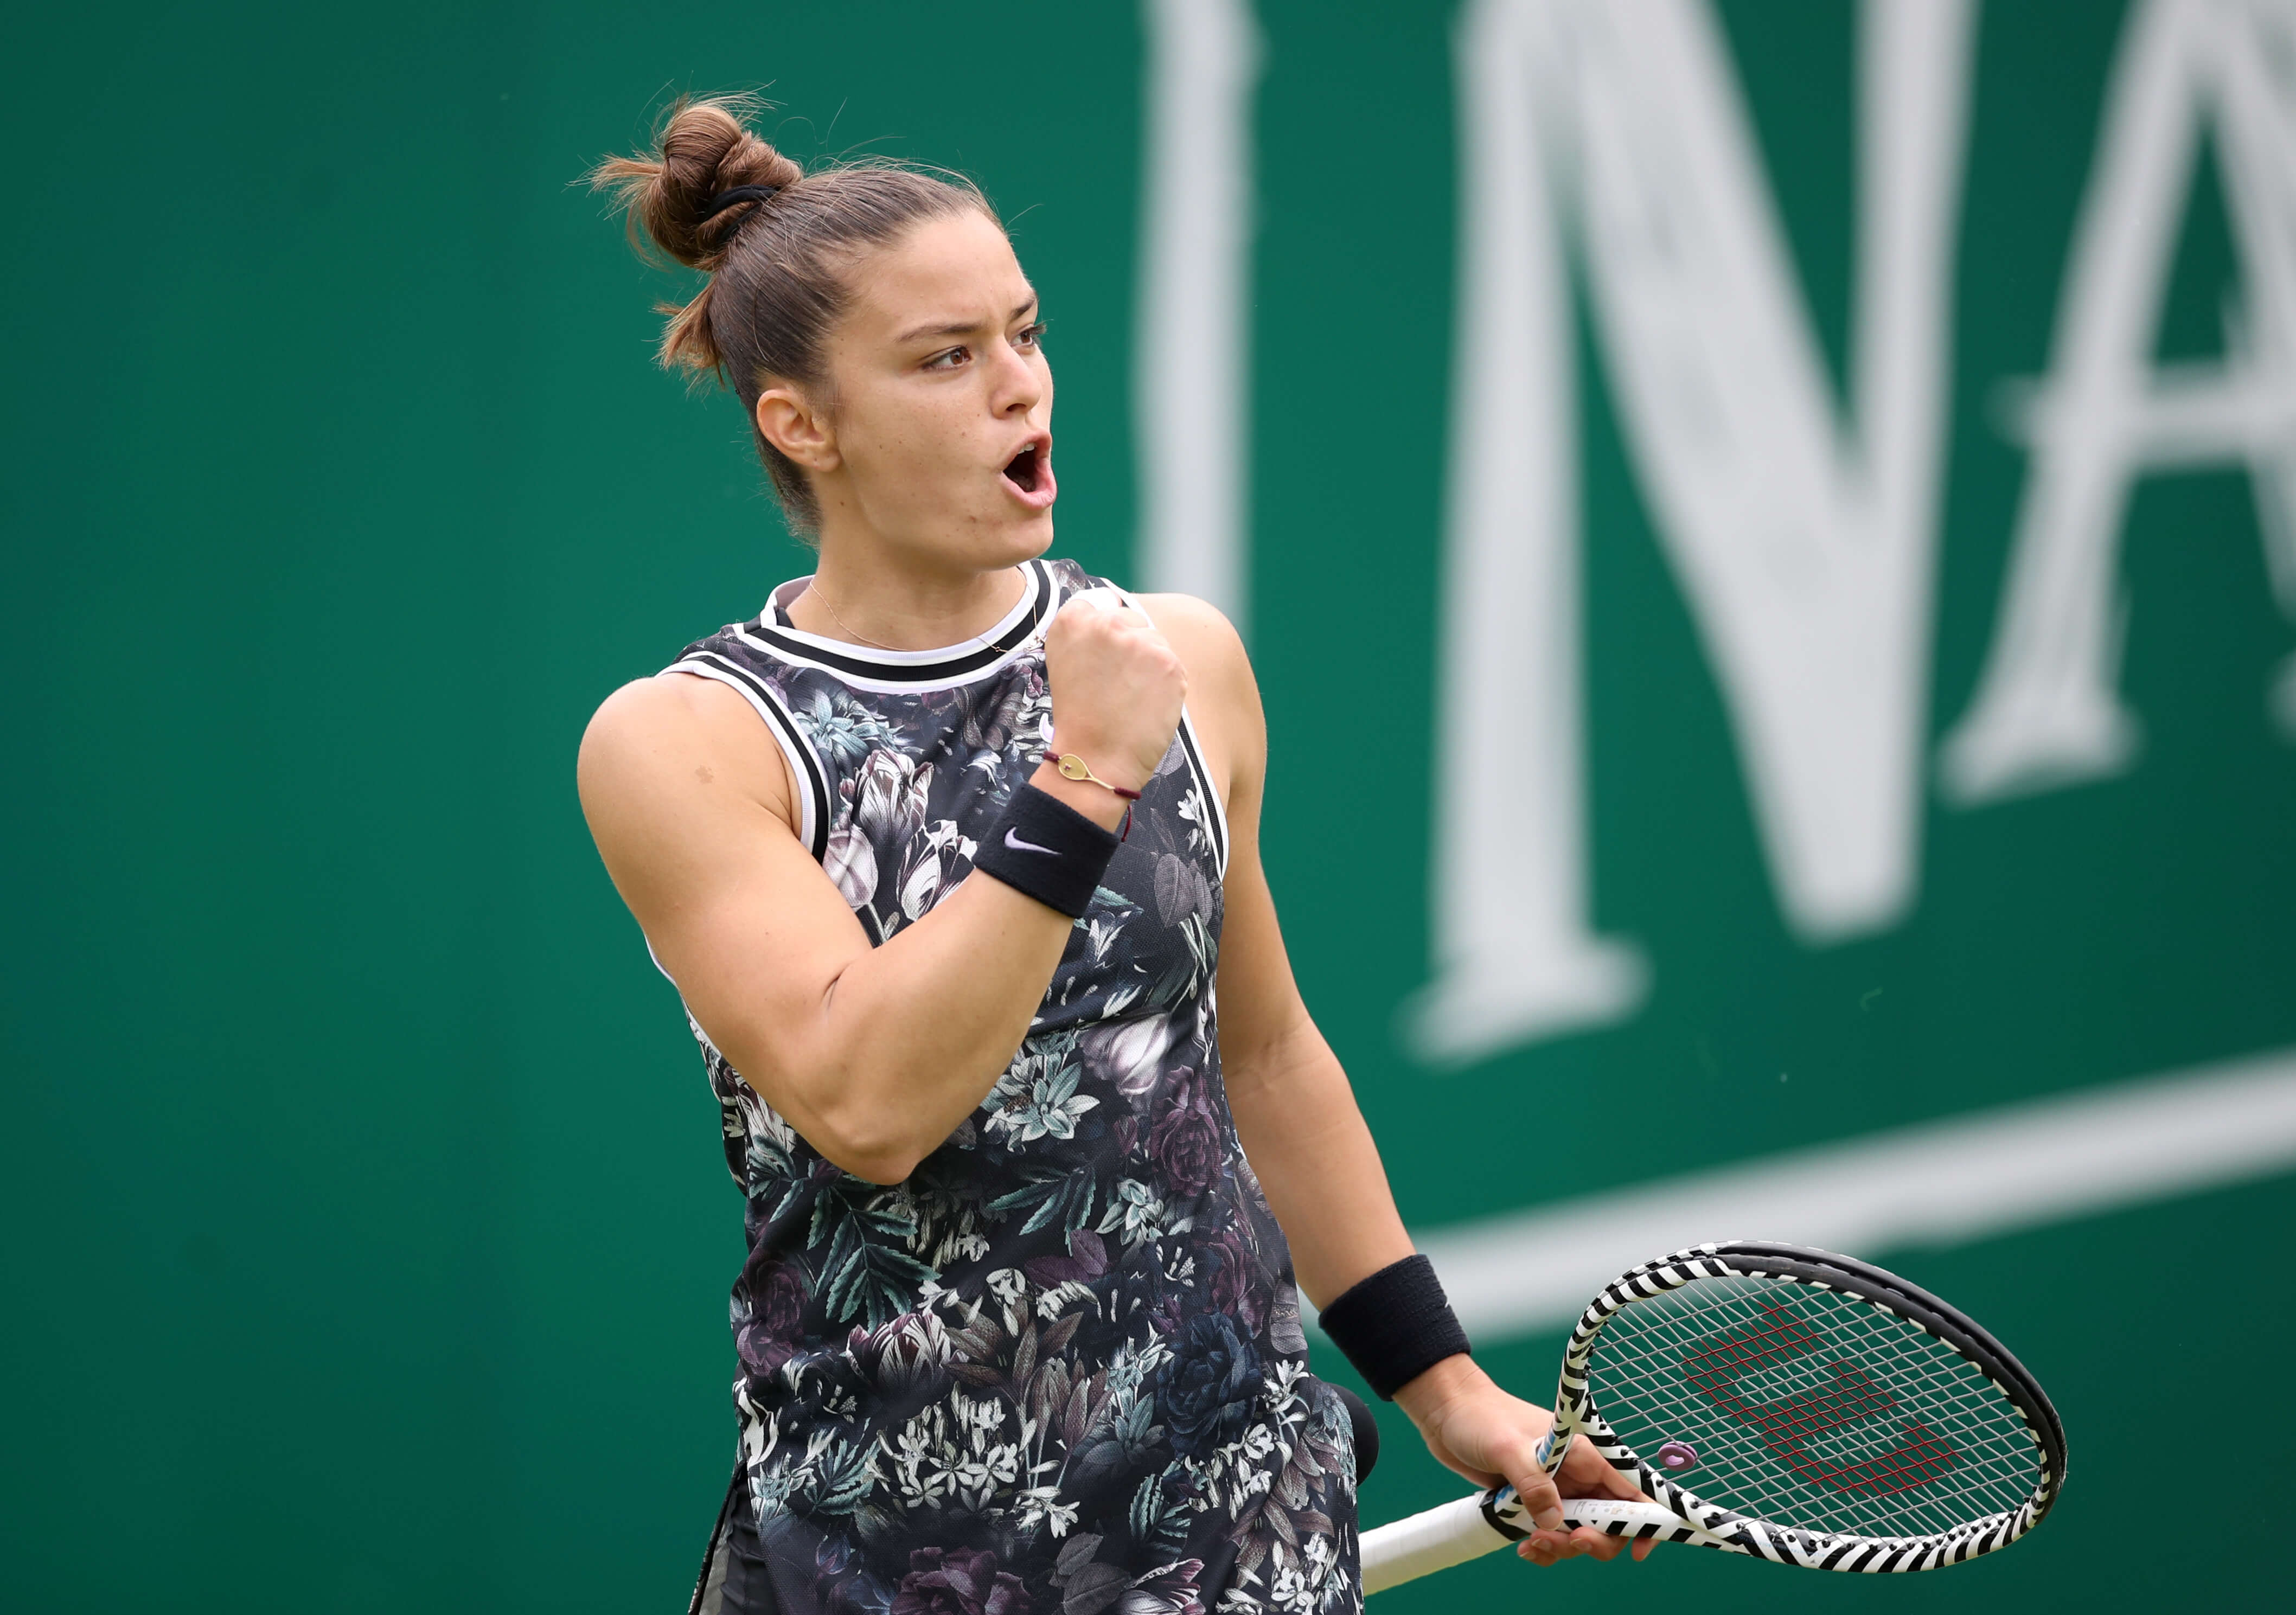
[1710, 1525]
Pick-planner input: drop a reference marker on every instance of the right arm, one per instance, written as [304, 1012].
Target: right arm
[874, 1054]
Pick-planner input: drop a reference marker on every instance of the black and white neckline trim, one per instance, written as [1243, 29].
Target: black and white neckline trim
[947, 664]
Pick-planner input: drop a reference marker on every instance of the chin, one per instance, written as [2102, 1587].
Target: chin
[976, 539]
[1011, 542]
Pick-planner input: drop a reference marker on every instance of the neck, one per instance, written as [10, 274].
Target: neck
[897, 603]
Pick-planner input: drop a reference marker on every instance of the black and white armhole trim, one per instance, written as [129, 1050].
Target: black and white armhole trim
[813, 779]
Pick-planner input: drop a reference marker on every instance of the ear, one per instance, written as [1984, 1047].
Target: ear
[791, 421]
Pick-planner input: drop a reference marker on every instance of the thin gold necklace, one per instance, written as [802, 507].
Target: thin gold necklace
[813, 588]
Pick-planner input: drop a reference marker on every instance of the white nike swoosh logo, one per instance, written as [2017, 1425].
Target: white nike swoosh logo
[1018, 845]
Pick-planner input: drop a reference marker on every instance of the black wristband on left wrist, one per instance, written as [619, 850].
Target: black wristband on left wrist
[1395, 1325]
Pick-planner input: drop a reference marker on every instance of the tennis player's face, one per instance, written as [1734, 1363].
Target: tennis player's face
[943, 399]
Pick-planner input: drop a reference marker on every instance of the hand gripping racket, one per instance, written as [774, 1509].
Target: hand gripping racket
[1783, 1402]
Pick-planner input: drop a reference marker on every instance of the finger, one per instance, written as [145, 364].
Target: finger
[1598, 1544]
[1609, 1483]
[1586, 1473]
[1546, 1548]
[1540, 1500]
[1643, 1546]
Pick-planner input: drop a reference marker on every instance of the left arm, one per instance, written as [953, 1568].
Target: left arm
[1299, 1121]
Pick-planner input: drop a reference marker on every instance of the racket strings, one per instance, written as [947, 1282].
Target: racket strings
[1812, 1409]
[1880, 1450]
[1797, 1427]
[1821, 1432]
[1812, 1473]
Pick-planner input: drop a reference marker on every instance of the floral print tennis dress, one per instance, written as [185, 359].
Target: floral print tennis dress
[1060, 1371]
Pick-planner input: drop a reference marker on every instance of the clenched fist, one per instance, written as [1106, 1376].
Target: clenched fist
[1116, 686]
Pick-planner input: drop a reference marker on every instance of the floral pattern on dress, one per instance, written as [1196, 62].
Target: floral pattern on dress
[1060, 1369]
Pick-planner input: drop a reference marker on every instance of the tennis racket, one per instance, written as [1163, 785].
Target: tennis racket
[1785, 1404]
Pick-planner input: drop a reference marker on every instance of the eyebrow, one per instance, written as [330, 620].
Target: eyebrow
[956, 328]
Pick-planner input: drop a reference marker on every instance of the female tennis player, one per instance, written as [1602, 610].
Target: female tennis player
[951, 852]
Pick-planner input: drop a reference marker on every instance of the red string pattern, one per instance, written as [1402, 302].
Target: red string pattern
[1786, 1427]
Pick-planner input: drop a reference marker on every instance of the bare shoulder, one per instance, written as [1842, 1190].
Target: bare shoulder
[1218, 669]
[1223, 696]
[670, 733]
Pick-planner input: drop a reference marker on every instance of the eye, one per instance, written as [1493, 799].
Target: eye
[948, 360]
[1028, 337]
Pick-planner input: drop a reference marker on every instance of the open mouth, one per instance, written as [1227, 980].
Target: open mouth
[1025, 470]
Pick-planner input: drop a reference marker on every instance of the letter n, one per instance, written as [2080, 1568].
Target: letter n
[1805, 544]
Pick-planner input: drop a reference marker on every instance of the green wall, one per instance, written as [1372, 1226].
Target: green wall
[367, 1238]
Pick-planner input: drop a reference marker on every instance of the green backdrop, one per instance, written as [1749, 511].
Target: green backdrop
[367, 1238]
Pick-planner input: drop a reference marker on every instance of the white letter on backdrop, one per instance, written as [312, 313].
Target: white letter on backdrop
[2046, 711]
[1189, 351]
[1805, 545]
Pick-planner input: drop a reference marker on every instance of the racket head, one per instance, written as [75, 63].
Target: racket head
[1813, 1409]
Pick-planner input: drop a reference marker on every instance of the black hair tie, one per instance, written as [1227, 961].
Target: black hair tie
[738, 193]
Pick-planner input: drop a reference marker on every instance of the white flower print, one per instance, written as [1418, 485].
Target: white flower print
[1041, 1506]
[932, 862]
[851, 863]
[1099, 933]
[1129, 1054]
[1197, 816]
[888, 800]
[1038, 1098]
[1136, 1214]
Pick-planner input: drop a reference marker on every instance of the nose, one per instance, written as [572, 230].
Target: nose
[1020, 385]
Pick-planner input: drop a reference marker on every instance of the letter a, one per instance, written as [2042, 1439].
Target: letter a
[2046, 711]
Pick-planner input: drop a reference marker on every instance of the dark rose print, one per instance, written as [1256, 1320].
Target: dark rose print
[954, 1582]
[1236, 1289]
[1186, 1140]
[776, 1320]
[1211, 1384]
[778, 1303]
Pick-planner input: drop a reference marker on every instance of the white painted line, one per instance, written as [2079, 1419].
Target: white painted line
[1942, 1183]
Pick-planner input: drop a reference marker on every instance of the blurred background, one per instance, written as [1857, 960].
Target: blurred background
[1768, 531]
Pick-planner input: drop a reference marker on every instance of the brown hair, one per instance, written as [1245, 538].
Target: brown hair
[777, 265]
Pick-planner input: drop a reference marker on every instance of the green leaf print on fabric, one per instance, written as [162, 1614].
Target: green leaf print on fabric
[1058, 1197]
[861, 1276]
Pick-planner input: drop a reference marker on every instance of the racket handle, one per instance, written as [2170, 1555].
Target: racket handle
[1616, 1519]
[1423, 1544]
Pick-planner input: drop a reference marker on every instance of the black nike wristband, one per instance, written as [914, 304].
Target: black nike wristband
[1395, 1325]
[1045, 850]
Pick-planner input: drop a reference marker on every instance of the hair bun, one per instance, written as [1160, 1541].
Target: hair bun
[703, 148]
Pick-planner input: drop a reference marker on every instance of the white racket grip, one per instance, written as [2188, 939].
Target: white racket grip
[1423, 1544]
[1614, 1519]
[1405, 1550]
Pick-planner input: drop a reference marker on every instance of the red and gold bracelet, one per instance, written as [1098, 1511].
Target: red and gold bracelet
[1073, 768]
